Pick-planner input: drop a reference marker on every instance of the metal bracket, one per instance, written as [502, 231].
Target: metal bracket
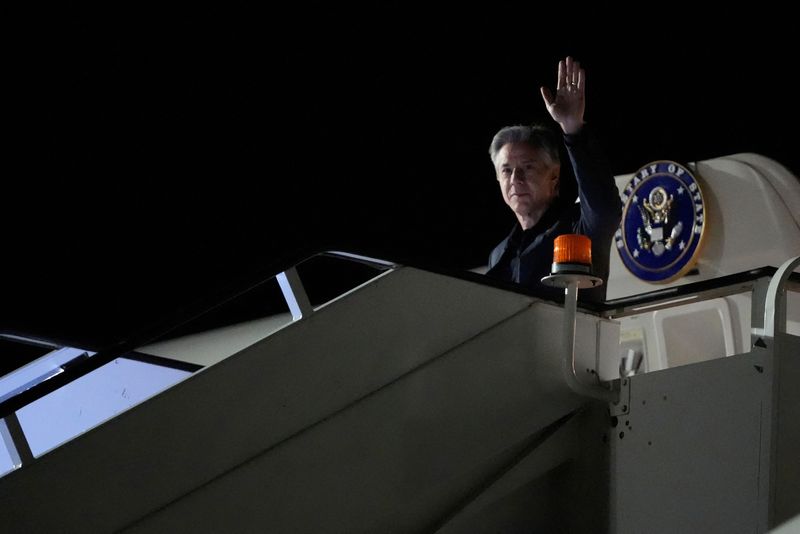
[623, 405]
[571, 286]
[758, 302]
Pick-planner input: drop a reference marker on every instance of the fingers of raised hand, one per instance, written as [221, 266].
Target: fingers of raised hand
[570, 76]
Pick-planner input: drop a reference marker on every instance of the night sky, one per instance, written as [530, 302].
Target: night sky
[148, 164]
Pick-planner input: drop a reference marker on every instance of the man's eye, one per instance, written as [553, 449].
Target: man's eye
[506, 172]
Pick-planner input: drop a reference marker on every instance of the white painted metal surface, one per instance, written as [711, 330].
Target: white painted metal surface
[348, 412]
[91, 400]
[212, 346]
[752, 221]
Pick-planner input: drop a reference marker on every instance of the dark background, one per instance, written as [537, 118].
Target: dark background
[151, 160]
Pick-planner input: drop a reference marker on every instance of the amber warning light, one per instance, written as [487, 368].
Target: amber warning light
[572, 253]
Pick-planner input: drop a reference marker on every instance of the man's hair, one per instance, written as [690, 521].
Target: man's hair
[536, 135]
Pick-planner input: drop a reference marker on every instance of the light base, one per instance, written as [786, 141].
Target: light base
[581, 280]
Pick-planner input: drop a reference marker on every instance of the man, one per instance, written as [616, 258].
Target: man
[528, 168]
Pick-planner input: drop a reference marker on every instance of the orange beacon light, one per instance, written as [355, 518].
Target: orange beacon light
[572, 262]
[572, 249]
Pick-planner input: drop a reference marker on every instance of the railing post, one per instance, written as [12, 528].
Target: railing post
[15, 441]
[775, 300]
[294, 293]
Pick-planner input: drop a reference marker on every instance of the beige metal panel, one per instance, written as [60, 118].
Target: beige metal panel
[786, 459]
[693, 454]
[401, 459]
[722, 328]
[779, 177]
[234, 410]
[208, 348]
[694, 332]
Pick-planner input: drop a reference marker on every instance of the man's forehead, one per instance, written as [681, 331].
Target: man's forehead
[521, 151]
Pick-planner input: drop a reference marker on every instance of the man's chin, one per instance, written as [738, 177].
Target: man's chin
[521, 207]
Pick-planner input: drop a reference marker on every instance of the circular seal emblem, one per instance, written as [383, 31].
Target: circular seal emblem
[662, 223]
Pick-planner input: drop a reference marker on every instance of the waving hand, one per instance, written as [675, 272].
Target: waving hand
[569, 102]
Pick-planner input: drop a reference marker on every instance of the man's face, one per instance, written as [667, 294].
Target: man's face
[527, 178]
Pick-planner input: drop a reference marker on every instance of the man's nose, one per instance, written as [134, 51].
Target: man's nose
[517, 174]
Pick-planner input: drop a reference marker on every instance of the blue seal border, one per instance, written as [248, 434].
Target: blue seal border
[691, 210]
